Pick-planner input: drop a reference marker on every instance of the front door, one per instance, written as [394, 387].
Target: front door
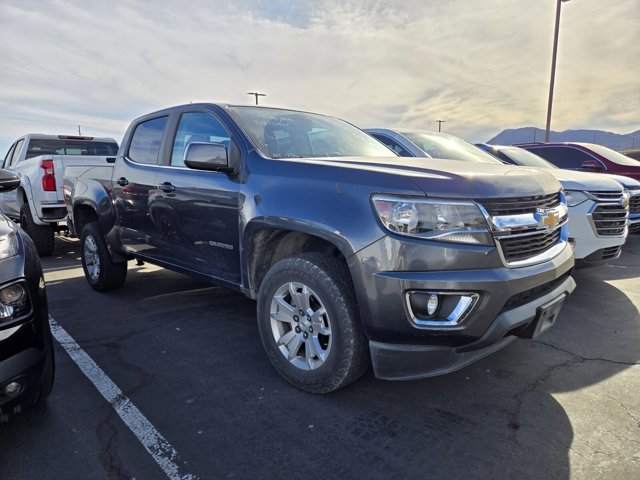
[197, 212]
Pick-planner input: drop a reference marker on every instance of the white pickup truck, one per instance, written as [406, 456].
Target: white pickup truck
[40, 161]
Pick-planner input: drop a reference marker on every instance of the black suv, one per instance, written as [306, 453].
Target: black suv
[26, 347]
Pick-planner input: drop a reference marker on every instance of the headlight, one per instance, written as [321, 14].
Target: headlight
[8, 245]
[14, 302]
[575, 197]
[442, 220]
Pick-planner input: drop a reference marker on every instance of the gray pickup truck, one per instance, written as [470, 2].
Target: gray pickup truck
[356, 257]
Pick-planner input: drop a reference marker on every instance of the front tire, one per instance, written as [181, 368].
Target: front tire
[99, 270]
[42, 235]
[48, 376]
[309, 323]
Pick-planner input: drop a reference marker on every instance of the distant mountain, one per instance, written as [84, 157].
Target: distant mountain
[530, 134]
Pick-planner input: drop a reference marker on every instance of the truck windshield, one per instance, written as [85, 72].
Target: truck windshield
[290, 134]
[70, 147]
[440, 145]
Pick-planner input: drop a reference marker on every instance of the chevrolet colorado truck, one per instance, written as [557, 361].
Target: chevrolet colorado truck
[40, 160]
[354, 255]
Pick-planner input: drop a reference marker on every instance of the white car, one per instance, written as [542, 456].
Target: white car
[598, 205]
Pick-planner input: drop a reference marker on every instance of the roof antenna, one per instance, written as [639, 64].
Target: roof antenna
[79, 132]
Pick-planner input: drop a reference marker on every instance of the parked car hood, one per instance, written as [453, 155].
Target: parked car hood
[454, 178]
[627, 182]
[572, 180]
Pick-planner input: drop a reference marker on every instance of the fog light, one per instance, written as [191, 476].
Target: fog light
[433, 304]
[12, 388]
[13, 294]
[6, 311]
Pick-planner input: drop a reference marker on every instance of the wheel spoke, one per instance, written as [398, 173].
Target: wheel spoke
[301, 299]
[294, 346]
[282, 317]
[317, 320]
[286, 338]
[284, 305]
[314, 352]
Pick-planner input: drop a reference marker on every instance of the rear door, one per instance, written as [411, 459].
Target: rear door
[196, 211]
[134, 188]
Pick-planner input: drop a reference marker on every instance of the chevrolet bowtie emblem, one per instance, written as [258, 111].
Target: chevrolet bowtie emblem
[547, 218]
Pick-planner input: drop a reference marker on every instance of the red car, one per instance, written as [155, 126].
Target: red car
[587, 157]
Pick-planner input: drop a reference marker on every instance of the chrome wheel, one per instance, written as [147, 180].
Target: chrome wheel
[300, 326]
[91, 258]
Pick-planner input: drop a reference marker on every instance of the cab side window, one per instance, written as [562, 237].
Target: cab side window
[145, 144]
[197, 127]
[393, 145]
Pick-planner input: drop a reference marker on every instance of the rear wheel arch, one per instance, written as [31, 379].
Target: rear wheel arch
[83, 214]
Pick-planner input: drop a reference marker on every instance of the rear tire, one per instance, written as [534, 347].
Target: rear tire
[99, 270]
[309, 323]
[42, 235]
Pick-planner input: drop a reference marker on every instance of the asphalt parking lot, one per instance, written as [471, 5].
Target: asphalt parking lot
[188, 357]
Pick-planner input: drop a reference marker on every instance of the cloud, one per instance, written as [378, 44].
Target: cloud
[480, 66]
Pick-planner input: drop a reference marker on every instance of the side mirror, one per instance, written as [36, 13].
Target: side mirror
[591, 166]
[207, 156]
[8, 181]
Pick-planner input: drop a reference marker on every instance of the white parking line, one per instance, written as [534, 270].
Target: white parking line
[160, 449]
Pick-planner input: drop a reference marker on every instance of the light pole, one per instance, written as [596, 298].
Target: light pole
[256, 94]
[553, 68]
[440, 122]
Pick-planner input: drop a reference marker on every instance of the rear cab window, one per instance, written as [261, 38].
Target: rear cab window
[39, 147]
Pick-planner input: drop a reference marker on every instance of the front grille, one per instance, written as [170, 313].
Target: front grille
[611, 252]
[526, 246]
[527, 296]
[634, 203]
[608, 196]
[610, 220]
[519, 205]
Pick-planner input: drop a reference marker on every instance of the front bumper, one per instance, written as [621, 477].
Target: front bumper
[584, 236]
[509, 302]
[25, 343]
[25, 367]
[408, 362]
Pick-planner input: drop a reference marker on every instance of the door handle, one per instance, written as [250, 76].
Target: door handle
[122, 181]
[166, 187]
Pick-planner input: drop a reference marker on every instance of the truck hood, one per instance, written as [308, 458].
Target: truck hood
[453, 178]
[572, 180]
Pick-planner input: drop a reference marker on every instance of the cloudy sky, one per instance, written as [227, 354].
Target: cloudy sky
[481, 65]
